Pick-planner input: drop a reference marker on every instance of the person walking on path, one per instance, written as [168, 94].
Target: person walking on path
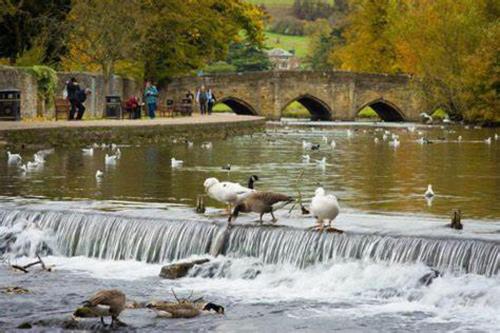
[151, 98]
[202, 99]
[211, 101]
[81, 98]
[72, 89]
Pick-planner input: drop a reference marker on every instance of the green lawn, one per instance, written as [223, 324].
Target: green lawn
[298, 43]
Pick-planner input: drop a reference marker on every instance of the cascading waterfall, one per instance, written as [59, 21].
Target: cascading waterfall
[114, 237]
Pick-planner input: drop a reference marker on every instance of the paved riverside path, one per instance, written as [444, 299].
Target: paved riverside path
[195, 119]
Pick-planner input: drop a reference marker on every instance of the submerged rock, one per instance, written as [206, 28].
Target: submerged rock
[427, 279]
[178, 270]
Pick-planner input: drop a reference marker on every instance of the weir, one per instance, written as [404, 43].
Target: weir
[152, 240]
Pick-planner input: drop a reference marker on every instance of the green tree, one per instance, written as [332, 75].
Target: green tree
[27, 24]
[104, 33]
[180, 36]
[248, 58]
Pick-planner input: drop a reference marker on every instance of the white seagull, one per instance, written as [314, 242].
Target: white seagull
[13, 158]
[110, 159]
[429, 193]
[176, 163]
[88, 151]
[324, 207]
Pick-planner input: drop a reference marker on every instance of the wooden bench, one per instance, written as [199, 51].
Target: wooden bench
[62, 107]
[166, 110]
[186, 107]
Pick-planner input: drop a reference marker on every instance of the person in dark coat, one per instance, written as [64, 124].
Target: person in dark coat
[81, 98]
[72, 89]
[134, 107]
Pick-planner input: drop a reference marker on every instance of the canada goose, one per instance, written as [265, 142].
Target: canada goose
[251, 181]
[176, 163]
[261, 203]
[226, 192]
[184, 309]
[110, 302]
[88, 151]
[110, 159]
[315, 146]
[429, 193]
[324, 207]
[13, 158]
[99, 174]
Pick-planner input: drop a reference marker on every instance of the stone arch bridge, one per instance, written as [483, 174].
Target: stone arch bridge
[330, 95]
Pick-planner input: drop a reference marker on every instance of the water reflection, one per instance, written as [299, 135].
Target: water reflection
[366, 175]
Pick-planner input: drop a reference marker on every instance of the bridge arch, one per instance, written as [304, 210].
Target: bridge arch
[386, 110]
[318, 109]
[238, 106]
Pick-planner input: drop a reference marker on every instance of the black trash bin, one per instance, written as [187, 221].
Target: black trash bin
[113, 107]
[10, 104]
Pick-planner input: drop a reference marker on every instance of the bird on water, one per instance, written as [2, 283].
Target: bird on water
[261, 203]
[324, 207]
[108, 302]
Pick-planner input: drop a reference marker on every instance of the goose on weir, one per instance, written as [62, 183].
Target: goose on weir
[226, 192]
[251, 181]
[261, 203]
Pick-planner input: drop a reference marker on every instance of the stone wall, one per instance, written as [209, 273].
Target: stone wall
[13, 78]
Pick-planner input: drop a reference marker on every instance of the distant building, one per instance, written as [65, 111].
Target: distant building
[283, 60]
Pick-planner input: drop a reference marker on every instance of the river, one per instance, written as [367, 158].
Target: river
[118, 231]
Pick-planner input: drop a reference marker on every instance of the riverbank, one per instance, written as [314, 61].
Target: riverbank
[78, 133]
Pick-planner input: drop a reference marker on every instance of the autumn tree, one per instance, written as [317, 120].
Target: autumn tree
[180, 36]
[103, 32]
[368, 47]
[452, 46]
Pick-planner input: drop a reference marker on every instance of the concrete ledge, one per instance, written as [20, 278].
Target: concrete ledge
[78, 133]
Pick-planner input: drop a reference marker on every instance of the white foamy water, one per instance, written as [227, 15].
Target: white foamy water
[367, 276]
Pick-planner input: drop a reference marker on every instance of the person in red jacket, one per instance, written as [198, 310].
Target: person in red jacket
[134, 107]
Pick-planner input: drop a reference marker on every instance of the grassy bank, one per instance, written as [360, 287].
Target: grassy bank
[299, 44]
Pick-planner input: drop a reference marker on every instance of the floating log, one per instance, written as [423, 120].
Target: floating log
[40, 262]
